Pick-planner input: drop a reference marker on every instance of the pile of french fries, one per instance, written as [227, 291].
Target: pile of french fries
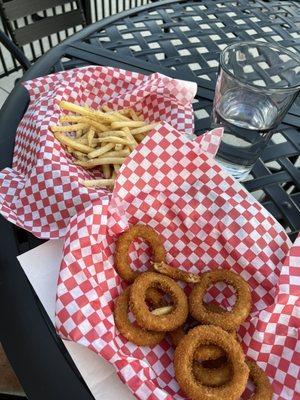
[100, 138]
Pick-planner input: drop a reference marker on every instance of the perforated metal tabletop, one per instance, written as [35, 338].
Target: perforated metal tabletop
[183, 39]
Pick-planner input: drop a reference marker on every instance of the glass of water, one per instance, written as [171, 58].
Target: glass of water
[256, 86]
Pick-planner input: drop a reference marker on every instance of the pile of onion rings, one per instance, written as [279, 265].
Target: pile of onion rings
[209, 362]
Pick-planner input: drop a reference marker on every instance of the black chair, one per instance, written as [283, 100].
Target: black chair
[14, 50]
[39, 25]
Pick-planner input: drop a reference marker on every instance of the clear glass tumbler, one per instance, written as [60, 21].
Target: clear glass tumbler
[256, 86]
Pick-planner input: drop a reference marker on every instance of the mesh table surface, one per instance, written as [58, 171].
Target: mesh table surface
[183, 39]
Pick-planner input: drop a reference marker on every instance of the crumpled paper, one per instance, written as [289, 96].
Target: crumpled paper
[206, 219]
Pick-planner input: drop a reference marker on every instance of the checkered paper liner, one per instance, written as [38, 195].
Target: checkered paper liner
[206, 220]
[42, 190]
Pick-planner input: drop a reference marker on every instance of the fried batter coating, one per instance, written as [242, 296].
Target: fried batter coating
[228, 320]
[122, 260]
[176, 273]
[213, 377]
[139, 308]
[209, 352]
[263, 388]
[184, 359]
[133, 333]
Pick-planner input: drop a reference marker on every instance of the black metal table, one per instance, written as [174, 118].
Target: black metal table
[181, 39]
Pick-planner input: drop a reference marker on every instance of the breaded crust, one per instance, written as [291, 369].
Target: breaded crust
[139, 307]
[122, 260]
[227, 320]
[263, 388]
[133, 333]
[184, 359]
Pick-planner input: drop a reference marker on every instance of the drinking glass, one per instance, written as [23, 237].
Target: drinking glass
[256, 86]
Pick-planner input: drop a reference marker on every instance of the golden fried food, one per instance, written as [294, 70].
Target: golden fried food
[176, 273]
[212, 376]
[100, 139]
[184, 359]
[228, 320]
[209, 352]
[263, 388]
[132, 332]
[122, 261]
[139, 307]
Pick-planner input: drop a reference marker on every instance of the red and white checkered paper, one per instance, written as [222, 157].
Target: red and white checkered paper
[206, 220]
[42, 191]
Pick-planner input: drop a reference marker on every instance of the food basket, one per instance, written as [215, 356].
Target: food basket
[173, 184]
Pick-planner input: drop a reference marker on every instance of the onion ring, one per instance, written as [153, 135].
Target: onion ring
[212, 377]
[183, 362]
[208, 352]
[133, 333]
[263, 388]
[122, 260]
[175, 273]
[228, 320]
[139, 308]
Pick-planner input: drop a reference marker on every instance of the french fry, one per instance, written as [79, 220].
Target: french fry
[120, 153]
[102, 150]
[116, 114]
[66, 105]
[134, 115]
[143, 129]
[113, 139]
[120, 116]
[80, 156]
[86, 111]
[140, 136]
[83, 140]
[112, 133]
[67, 128]
[105, 117]
[129, 124]
[98, 182]
[106, 171]
[70, 118]
[105, 108]
[133, 142]
[102, 139]
[124, 111]
[106, 168]
[118, 147]
[95, 162]
[72, 143]
[140, 116]
[96, 125]
[90, 136]
[86, 129]
[117, 168]
[97, 141]
[79, 133]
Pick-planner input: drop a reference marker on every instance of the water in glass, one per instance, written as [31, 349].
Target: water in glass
[247, 119]
[256, 86]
